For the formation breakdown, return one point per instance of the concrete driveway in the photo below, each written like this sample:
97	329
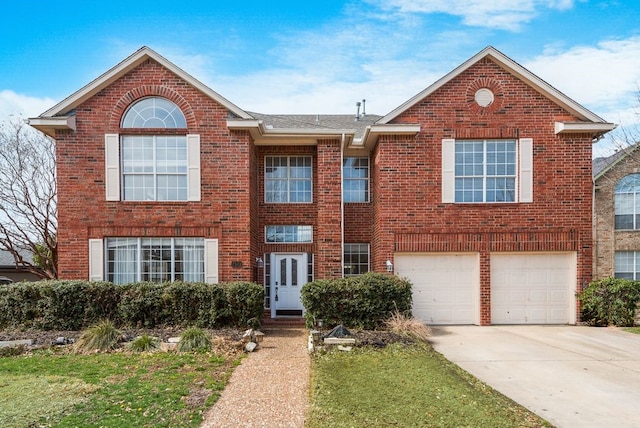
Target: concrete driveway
570	376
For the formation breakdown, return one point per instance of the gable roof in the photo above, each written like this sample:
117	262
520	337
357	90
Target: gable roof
591	121
602	165
61	115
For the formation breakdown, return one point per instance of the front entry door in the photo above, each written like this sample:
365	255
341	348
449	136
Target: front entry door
289	275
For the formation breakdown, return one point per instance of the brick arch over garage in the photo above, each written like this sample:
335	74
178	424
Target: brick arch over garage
140	92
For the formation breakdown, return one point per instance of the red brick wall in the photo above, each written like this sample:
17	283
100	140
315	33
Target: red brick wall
408	180
223	213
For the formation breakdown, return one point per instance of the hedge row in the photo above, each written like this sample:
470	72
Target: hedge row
364	301
74	305
610	301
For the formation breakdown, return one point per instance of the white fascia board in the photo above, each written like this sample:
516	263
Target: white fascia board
371	133
581	127
137	58
48	125
262	134
515	69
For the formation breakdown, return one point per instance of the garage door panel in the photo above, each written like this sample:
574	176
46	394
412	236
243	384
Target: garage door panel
445	287
532	288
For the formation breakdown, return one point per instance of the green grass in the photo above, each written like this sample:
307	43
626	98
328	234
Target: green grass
405	387
111	390
634	330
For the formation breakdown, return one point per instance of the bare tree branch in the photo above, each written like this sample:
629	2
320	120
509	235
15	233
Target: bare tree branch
28	198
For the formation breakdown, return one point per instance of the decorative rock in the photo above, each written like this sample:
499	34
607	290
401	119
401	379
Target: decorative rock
10	343
250	347
344	348
339	341
173	340
168	346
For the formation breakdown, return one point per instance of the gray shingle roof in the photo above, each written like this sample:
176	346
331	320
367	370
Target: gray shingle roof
7	261
601	164
319	121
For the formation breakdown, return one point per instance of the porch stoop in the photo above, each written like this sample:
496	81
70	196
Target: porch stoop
268	322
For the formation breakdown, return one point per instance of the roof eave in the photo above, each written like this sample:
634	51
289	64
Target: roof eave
264	135
373	132
599	128
49	125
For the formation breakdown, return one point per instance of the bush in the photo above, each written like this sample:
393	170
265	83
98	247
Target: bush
408	326
364	301
101	337
611	301
144	343
73	305
194	339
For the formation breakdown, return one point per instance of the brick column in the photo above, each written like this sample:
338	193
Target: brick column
328	260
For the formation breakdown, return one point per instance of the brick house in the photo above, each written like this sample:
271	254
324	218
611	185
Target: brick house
616	226
478	189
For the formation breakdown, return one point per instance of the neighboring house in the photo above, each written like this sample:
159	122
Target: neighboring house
617	214
478	189
8	269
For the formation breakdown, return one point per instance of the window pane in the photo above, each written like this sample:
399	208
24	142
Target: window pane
288	233
355	185
288	179
356	259
147	162
154	112
122	264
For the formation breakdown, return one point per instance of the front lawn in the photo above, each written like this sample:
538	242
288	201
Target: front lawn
123	389
405	386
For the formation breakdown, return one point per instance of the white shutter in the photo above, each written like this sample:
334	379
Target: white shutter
112	164
448	170
96	260
193	167
211	261
525	175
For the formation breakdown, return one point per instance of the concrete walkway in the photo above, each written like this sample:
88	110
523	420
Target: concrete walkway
571	376
270	388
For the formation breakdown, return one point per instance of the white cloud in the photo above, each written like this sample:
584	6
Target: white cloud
499	14
603	77
13	104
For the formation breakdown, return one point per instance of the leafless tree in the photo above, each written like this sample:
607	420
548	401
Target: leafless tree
28	204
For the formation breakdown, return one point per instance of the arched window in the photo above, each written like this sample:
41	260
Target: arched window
627	202
154	112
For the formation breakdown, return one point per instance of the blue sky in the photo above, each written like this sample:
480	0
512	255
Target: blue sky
324	56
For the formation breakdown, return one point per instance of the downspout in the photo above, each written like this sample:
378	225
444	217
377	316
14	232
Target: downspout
342	142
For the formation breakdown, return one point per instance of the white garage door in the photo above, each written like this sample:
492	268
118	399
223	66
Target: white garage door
445	286
533	288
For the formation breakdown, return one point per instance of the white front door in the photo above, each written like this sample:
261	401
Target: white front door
288	276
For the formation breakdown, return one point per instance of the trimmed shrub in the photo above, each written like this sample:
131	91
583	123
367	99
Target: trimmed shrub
610	301
364	301
244	301
19	304
73	305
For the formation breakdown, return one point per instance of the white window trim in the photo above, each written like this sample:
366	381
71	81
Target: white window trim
113	175
524	178
368	180
289	179
97	260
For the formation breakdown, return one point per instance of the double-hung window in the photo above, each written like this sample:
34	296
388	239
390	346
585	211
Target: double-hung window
356	259
627	265
154	168
487	171
355	179
627	202
147	163
287	179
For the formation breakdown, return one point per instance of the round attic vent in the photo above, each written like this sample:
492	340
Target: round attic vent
484	97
